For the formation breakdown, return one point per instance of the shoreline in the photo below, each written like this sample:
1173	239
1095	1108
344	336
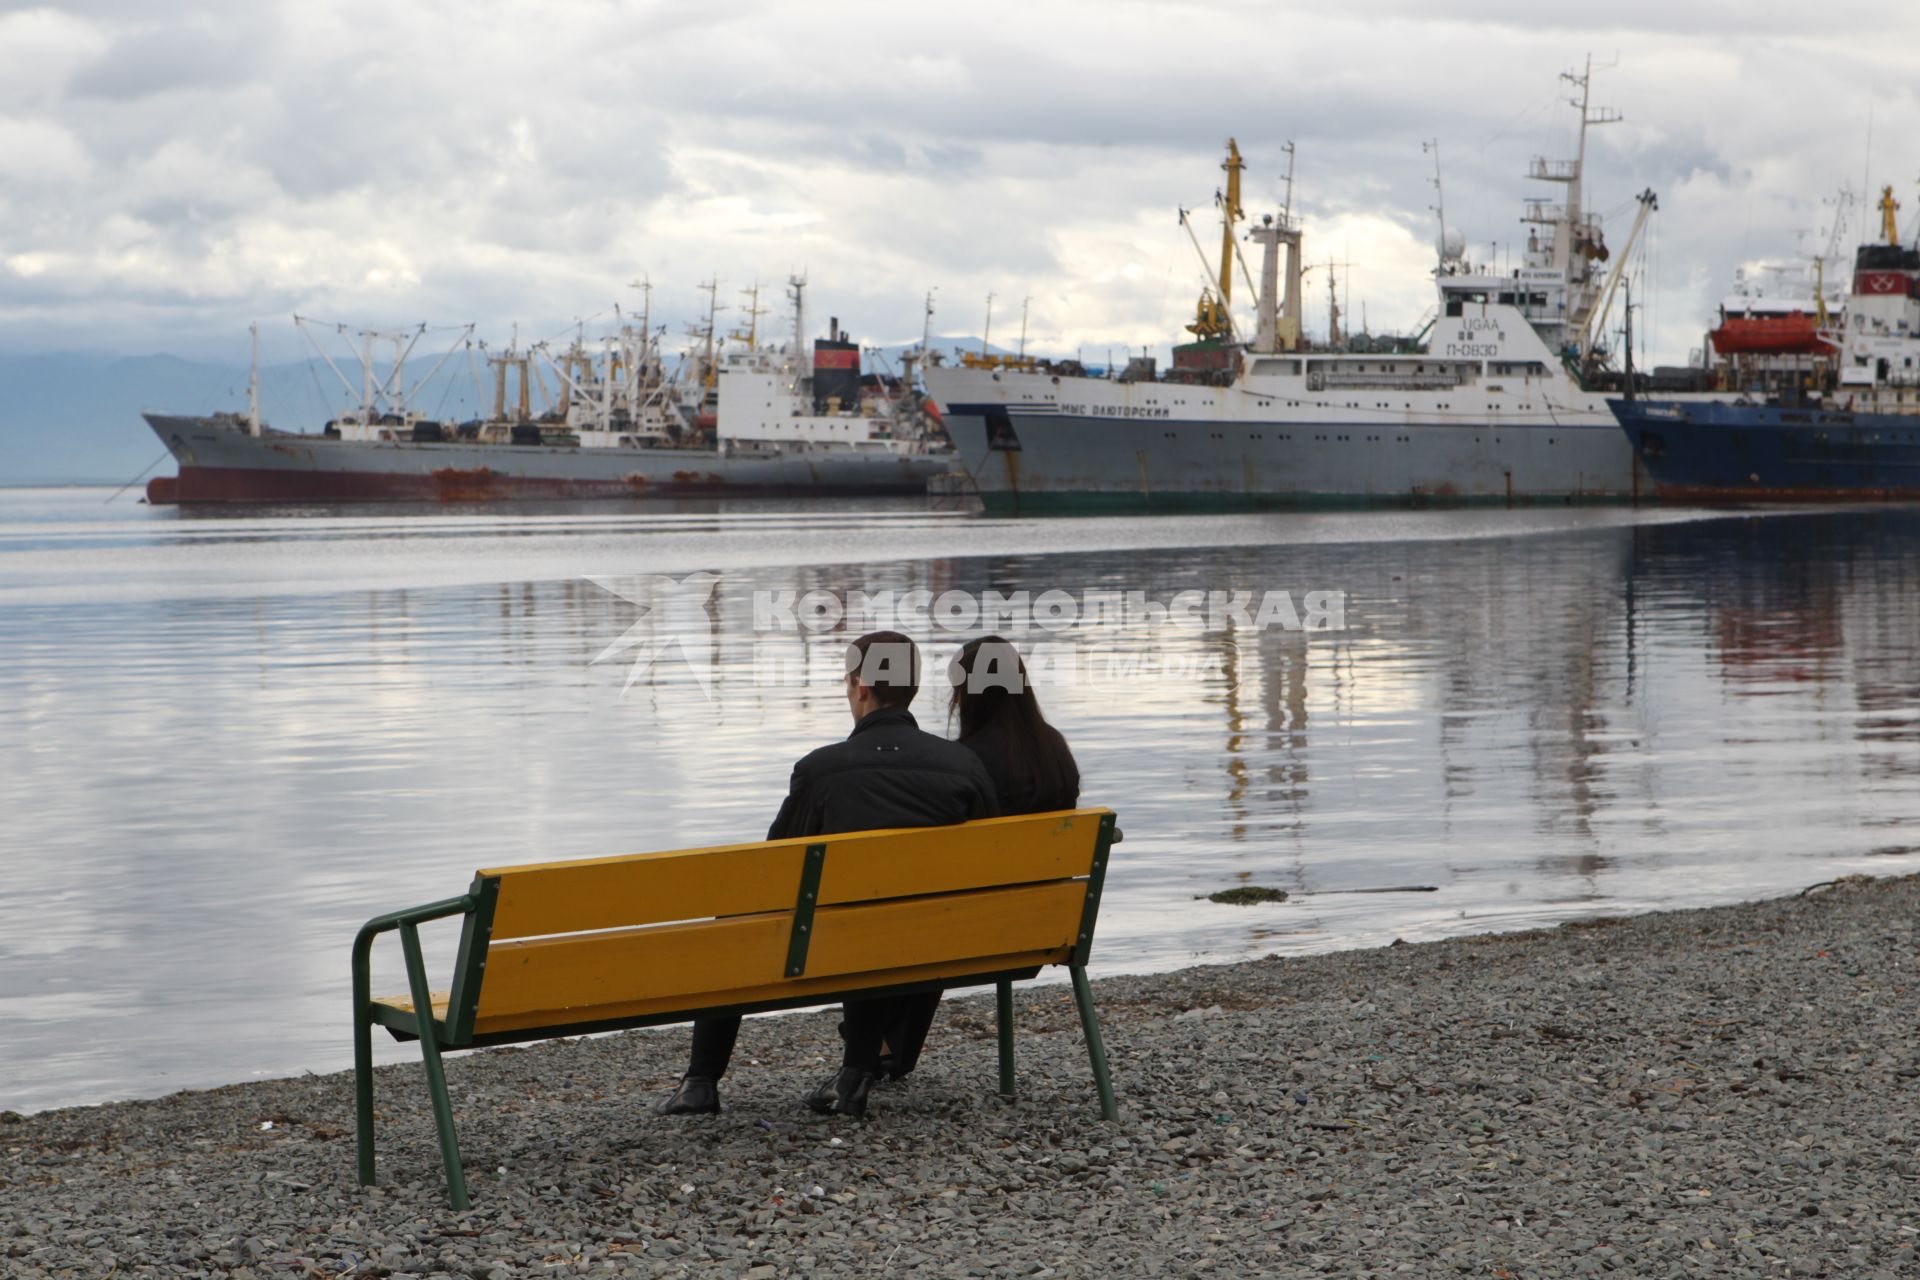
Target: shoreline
1721	1090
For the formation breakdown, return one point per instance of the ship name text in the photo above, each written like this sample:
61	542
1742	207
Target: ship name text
1115	411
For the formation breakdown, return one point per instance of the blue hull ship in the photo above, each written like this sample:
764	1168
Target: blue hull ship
1843	423
1717	452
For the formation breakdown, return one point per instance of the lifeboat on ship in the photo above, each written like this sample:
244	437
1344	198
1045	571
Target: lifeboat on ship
1767	331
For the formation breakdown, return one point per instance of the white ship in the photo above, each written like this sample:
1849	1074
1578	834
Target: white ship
774	398
1499	399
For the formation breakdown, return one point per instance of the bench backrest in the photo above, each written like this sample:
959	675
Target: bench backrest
602	940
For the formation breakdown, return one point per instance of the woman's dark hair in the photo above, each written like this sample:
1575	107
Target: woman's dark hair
990	687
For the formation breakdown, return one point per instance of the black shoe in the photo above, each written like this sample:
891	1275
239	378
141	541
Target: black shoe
844	1093
696	1096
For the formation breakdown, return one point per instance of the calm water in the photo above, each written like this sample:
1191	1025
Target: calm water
226	742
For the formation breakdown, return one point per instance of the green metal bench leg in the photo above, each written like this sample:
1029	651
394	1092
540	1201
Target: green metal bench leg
1003	992
363	1088
436	1074
1090	1023
363	1054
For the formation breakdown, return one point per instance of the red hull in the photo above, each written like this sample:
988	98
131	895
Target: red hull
1717	496
263	485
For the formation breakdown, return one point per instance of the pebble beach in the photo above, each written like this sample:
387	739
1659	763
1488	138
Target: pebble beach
1724	1092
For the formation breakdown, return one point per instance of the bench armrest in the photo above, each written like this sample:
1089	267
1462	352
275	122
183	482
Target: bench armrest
363	942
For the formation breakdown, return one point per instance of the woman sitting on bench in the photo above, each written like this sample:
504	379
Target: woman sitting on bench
1032	770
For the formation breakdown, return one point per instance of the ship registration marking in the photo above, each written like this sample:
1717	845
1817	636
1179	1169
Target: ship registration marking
1464	344
1115	411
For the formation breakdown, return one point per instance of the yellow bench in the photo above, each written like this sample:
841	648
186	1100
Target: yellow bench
565	948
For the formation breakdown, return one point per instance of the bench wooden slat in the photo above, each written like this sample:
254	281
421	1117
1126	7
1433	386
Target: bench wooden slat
914	931
578	974
783	993
649	888
998	851
646	888
579	971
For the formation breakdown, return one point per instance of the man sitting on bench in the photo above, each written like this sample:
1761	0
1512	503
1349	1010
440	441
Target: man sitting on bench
887	773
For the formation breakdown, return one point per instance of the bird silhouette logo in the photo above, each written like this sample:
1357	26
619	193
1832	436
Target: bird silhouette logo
674	618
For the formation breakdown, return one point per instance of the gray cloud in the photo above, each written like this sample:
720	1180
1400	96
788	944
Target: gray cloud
164	180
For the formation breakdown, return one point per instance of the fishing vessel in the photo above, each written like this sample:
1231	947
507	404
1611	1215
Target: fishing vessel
1498	398
754	422
1841	423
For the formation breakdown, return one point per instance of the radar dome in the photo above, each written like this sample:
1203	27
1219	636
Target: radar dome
1453	245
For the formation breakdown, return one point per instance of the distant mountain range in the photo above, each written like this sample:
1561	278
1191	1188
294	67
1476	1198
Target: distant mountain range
75	418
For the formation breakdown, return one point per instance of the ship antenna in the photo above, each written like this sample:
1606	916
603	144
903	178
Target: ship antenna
987	333
1024	304
1866	160
1286	205
1439	206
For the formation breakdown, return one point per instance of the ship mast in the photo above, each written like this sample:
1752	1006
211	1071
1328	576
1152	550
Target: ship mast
253	383
797	292
1333	306
645	285
708	372
1276	330
1575	242
754	311
1589	115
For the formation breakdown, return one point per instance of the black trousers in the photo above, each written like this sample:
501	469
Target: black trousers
898	1022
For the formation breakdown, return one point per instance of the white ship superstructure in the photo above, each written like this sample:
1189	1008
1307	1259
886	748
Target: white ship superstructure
810	397
1490	402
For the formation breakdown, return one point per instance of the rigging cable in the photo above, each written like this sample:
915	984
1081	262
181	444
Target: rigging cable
164	455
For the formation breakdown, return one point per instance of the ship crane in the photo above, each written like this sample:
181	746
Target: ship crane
1212	319
1597	318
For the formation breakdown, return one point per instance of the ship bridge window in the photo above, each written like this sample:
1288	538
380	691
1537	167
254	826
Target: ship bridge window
1508	299
1276	368
1458	298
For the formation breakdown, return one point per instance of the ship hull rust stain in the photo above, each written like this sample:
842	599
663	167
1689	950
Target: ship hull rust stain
272	486
452	484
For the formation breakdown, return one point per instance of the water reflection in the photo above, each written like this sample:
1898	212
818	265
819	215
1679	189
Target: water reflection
209	785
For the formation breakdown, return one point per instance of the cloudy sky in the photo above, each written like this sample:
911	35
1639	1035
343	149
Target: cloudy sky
171	171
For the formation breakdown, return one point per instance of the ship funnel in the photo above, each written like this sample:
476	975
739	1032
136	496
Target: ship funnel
836	370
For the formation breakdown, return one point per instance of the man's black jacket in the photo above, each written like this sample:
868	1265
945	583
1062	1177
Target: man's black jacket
888	773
